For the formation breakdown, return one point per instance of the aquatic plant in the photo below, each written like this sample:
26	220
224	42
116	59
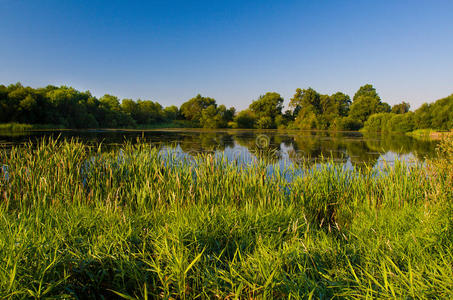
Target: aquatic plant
136	222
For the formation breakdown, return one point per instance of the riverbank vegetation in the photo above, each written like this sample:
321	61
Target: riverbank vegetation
65	107
437	116
133	222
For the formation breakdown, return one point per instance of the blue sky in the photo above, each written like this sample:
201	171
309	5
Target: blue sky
233	51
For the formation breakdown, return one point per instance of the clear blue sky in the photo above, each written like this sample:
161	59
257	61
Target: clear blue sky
168	51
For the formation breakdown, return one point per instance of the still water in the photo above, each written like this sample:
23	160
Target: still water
282	147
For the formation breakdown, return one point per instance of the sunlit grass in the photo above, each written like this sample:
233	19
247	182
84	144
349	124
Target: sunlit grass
78	222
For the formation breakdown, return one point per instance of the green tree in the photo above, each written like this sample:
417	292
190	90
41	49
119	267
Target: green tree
315	111
130	107
366	102
442	113
216	117
191	109
265	123
171	112
400	122
267	107
110	102
423	117
343	103
245	119
377	122
401	108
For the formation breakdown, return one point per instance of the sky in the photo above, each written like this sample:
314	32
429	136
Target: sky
234	51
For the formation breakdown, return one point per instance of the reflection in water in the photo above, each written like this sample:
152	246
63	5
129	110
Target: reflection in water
283	147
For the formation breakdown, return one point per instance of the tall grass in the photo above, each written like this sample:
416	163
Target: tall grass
77	222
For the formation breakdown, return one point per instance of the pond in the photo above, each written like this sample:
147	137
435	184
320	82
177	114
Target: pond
282	147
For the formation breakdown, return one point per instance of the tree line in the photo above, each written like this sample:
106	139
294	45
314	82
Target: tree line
67	107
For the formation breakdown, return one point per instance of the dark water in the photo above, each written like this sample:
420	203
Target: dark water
284	147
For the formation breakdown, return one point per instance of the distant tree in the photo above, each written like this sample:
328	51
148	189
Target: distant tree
266	108
365	103
400	123
245	119
401	108
265	123
149	112
229	114
315	111
343	103
66	106
171	112
442	113
377	122
346	124
423	117
130	107
191	110
216	117
110	102
305	99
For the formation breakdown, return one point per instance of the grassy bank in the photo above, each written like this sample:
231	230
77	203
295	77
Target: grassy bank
18	127
15	127
430	134
131	223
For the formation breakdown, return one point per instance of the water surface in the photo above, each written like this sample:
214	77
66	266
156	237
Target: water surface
282	147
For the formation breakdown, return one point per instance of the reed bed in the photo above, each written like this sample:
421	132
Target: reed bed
135	223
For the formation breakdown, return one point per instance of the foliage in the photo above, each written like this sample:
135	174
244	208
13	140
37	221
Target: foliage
216	117
266	109
401	108
435	116
65	107
78	223
245	119
192	109
315	111
366	102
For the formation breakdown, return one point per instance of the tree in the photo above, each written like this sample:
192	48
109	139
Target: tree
343	103
129	106
422	117
265	123
216	117
267	107
110	102
315	111
191	109
305	99
401	108
171	112
400	123
377	122
442	113
245	119
148	112
366	102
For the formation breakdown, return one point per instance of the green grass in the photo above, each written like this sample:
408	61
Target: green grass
19	127
79	223
430	133
15	127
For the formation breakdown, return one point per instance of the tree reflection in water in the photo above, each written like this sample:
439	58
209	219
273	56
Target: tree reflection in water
283	147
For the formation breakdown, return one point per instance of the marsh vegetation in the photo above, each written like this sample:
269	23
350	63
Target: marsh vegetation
82	222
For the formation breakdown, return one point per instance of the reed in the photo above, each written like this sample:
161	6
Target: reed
135	222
